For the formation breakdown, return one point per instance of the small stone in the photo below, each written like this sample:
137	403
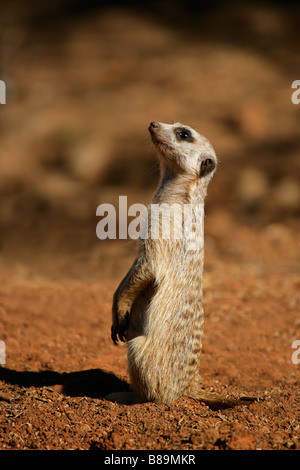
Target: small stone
84	428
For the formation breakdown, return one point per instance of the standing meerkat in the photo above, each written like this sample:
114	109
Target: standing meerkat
157	308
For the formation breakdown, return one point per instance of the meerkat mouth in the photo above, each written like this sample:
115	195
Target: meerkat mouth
162	145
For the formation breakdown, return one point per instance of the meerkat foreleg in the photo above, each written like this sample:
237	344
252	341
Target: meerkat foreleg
138	278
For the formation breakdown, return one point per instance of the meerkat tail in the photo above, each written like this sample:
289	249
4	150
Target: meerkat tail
216	401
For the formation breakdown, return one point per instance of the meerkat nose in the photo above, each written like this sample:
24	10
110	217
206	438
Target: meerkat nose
154	125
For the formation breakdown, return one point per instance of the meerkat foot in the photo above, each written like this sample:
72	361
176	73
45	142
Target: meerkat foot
216	401
124	398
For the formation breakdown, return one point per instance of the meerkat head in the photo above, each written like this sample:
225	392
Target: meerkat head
183	150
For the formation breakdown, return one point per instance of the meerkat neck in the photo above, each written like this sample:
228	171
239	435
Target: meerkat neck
179	188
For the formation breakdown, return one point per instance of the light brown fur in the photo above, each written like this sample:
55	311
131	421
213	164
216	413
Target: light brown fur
157	308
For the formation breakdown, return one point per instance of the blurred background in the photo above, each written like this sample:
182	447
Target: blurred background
83	81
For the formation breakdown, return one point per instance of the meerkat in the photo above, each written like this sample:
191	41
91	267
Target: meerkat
157	308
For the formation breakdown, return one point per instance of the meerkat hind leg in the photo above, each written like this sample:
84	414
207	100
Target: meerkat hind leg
124	398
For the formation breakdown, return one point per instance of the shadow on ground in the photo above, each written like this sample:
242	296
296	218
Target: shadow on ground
93	383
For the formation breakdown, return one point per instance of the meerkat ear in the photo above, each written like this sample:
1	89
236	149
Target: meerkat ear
206	167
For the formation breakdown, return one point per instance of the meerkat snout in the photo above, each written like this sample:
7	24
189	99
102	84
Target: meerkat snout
153	125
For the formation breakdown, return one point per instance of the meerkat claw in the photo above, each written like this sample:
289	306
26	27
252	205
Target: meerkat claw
114	335
123	327
119	332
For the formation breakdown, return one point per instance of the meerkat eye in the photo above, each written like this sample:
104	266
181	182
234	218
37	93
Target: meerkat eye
183	134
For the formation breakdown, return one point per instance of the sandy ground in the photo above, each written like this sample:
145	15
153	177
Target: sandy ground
61	361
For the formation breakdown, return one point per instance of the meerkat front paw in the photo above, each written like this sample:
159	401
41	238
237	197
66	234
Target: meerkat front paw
119	328
120	321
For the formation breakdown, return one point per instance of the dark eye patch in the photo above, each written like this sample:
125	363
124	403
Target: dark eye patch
183	134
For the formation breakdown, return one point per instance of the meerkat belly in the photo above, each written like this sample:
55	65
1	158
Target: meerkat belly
165	355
